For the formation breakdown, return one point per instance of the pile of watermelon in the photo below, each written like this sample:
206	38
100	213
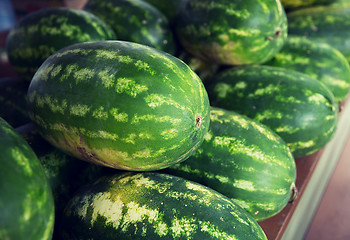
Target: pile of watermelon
149	119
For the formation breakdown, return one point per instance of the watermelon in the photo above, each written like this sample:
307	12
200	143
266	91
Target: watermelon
119	104
231	32
13	104
291	5
26	202
151	205
318	60
135	21
324	24
299	108
41	33
245	161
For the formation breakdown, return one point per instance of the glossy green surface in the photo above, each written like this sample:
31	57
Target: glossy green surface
245	161
41	33
297	107
232	32
135	21
318	60
154	206
325	24
26	202
120	104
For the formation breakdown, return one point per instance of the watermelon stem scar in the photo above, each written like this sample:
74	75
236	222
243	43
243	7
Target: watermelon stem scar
277	34
340	106
199	120
294	193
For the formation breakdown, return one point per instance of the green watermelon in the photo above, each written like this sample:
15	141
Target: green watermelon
299	108
245	161
324	24
26	202
13	104
119	104
232	32
135	21
41	33
318	60
291	5
154	206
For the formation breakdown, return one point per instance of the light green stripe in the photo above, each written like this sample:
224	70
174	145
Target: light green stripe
269	114
129	87
79	109
235	146
155	118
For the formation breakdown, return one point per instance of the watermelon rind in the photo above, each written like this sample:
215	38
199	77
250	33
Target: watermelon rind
231	32
119	104
299	108
328	24
245	161
318	60
135	21
154	206
26	201
41	33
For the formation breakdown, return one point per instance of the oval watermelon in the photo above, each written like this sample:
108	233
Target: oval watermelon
26	202
41	33
154	206
296	106
318	60
120	104
245	161
232	32
135	21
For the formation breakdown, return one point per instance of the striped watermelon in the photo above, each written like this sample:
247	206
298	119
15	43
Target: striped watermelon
154	206
135	21
26	202
232	32
299	108
245	161
39	34
323	23
318	60
119	104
